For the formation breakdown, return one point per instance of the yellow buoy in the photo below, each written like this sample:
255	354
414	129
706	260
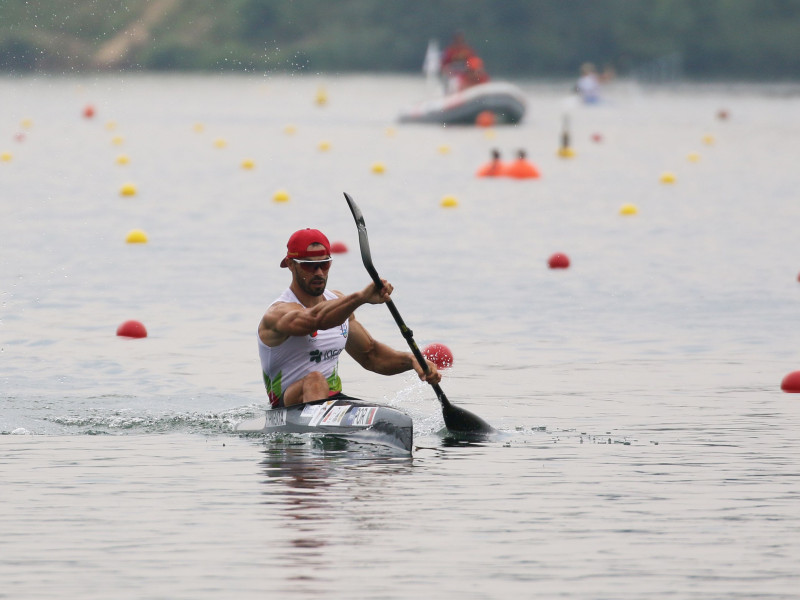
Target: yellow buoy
667	177
220	143
122	159
449	202
199	128
6	156
708	140
378	168
248	163
111	125
391	132
566	152
128	189
324	146
693	157
490	134
26	123
136	236
281	196
117	140
290	129
628	209
322	97
444	149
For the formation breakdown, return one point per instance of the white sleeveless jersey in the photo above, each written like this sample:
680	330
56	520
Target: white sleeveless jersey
298	356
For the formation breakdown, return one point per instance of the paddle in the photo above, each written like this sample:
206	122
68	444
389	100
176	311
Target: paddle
456	419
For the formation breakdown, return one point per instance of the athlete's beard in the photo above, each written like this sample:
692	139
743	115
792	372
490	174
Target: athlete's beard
306	285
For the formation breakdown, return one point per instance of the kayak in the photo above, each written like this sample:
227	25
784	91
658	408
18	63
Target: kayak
341	417
504	100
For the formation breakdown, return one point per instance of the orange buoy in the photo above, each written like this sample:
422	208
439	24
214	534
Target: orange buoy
494	168
791	383
132	329
438	354
485	118
338	248
88	111
521	168
558	261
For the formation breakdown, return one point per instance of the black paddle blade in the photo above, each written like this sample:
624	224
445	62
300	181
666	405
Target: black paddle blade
359	218
363	240
462	421
459	420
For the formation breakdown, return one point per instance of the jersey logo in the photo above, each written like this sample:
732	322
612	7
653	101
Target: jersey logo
313	334
316	356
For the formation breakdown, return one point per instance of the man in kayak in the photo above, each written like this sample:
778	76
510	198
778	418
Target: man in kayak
304	331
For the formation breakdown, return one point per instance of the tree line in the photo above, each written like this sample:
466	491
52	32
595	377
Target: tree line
697	39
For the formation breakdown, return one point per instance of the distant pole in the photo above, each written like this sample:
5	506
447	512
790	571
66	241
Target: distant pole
565	151
565	132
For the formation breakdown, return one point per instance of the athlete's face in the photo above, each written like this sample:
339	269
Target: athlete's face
310	277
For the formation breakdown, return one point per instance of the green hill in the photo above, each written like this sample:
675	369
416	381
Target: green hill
740	39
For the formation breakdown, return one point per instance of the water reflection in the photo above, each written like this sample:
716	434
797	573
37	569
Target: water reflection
302	478
321	486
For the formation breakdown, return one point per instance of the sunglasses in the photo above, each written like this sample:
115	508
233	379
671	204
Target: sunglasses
310	266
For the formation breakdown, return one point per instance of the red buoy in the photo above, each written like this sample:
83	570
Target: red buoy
338	248
791	383
485	118
88	111
558	261
597	138
132	329
438	354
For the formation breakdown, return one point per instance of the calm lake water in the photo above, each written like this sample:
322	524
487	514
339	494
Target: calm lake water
645	449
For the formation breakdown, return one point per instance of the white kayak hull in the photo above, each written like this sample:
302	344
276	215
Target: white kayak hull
504	100
342	417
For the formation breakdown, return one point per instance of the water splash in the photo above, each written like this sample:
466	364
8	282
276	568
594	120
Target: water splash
123	421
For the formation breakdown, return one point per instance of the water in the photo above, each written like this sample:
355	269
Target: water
646	449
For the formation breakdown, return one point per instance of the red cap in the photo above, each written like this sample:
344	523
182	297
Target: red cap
298	244
474	62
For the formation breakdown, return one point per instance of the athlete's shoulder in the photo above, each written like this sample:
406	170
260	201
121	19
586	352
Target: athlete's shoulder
283	306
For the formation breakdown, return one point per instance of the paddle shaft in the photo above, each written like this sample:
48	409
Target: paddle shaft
408	335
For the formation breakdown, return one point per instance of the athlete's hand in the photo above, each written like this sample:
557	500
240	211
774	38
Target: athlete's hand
433	376
378	296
